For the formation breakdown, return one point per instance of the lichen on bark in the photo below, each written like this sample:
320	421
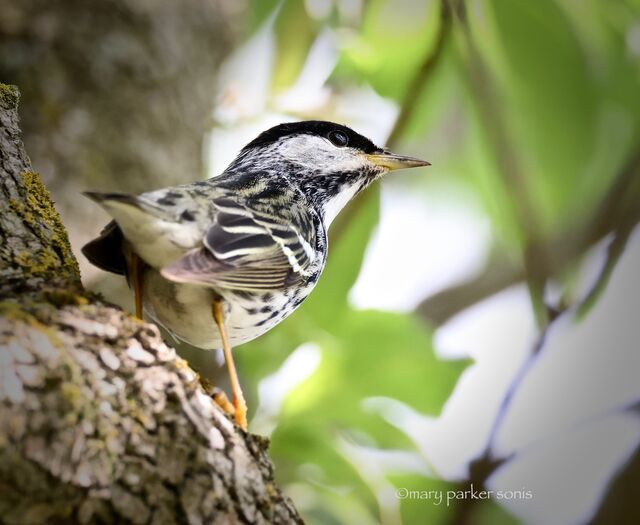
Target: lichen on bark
54	254
9	95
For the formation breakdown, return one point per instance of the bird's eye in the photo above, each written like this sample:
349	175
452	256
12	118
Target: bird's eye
338	138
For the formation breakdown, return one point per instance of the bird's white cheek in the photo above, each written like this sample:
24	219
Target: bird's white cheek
317	154
334	160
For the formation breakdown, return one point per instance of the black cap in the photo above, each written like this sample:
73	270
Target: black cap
319	128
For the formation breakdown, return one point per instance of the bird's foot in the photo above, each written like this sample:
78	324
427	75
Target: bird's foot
220	398
237	409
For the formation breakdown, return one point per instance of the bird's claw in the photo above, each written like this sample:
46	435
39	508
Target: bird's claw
220	398
237	409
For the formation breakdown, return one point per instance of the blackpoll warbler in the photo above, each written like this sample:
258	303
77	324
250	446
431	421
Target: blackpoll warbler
221	261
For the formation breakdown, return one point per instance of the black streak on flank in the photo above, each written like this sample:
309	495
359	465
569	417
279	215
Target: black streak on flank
244	295
166	201
271	317
186	215
169	198
298	301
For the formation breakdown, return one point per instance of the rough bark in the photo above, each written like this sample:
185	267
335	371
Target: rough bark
100	421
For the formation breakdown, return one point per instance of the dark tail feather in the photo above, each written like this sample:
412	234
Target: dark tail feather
105	251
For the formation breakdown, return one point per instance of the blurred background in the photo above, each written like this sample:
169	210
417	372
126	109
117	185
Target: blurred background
478	323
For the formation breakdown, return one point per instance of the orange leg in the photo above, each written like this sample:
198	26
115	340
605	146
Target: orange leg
137	276
239	403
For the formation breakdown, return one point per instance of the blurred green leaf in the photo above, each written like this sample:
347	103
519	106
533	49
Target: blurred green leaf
555	98
437	104
393	41
568	114
295	32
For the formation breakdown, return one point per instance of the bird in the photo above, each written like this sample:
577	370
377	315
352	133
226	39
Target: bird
219	262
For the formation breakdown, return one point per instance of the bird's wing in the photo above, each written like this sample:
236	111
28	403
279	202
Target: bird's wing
250	250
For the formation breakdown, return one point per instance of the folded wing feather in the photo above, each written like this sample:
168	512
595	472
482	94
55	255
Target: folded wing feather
246	250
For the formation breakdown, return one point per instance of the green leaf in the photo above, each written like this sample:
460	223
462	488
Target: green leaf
367	354
295	32
567	110
393	41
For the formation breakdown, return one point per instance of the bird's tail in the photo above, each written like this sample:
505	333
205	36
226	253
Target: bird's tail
153	231
106	250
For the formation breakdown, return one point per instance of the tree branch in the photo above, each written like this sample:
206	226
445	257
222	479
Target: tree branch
100	421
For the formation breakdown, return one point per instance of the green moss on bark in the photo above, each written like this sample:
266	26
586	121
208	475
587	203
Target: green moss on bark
9	96
56	257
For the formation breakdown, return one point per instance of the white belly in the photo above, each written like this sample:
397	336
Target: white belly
185	310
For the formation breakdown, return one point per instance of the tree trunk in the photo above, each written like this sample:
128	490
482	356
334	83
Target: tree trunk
100	421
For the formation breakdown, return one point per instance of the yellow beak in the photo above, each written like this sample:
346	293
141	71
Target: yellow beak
391	161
